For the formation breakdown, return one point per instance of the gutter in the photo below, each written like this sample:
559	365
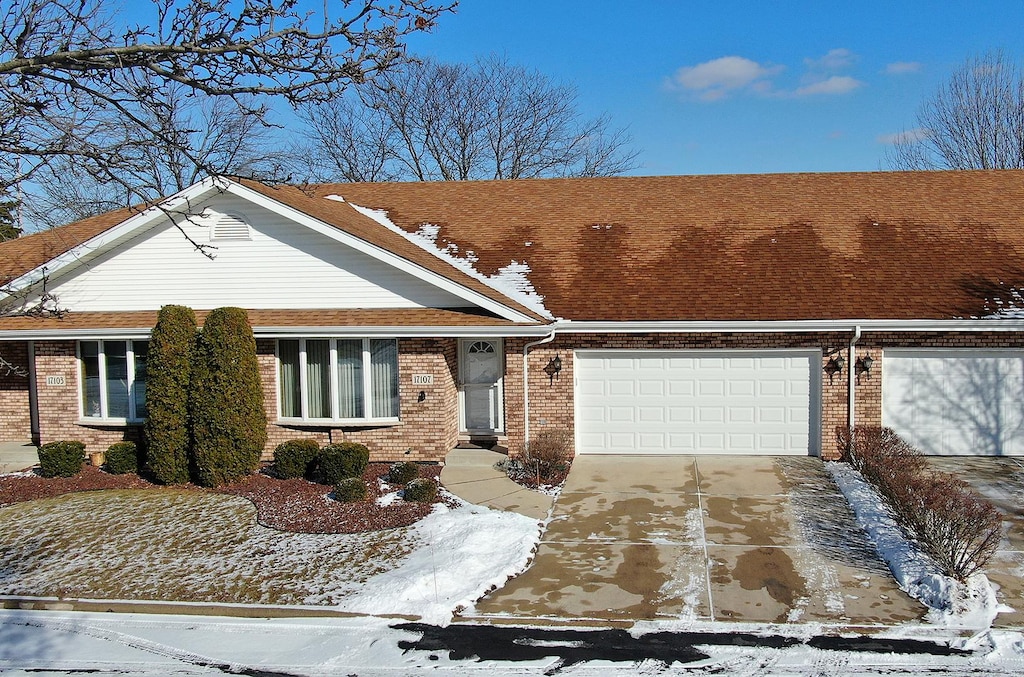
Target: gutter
526	383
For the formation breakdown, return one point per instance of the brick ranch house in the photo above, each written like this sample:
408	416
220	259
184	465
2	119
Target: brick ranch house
666	315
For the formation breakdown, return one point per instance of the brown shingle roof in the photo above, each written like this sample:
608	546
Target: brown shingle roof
928	245
383	317
887	245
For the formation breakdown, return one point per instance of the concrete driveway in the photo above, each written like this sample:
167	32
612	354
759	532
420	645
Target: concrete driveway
747	539
1000	480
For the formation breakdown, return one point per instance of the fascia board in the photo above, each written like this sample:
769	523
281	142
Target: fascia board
379	253
80	252
786	326
288	332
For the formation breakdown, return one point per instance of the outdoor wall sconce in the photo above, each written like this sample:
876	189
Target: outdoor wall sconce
553	368
863	366
834	366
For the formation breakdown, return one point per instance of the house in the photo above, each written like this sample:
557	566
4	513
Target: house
662	315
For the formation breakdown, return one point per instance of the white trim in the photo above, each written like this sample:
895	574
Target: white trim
562	327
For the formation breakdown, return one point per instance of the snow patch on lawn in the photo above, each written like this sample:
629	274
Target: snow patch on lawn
511	280
951	603
460	553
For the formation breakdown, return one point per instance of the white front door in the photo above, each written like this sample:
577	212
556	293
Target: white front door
480	366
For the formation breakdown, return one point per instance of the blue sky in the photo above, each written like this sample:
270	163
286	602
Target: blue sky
740	87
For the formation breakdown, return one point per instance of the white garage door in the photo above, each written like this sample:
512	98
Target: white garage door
956	402
690	402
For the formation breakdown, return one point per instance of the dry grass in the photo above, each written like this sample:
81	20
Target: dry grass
180	545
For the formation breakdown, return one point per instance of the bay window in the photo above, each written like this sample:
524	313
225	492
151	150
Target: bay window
113	379
338	379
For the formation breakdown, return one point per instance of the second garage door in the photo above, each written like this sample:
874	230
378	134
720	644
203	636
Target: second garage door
697	402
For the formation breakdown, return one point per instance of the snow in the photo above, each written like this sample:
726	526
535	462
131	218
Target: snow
511	280
462	553
953	604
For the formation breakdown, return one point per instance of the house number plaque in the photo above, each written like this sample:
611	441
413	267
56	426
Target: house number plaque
56	380
423	379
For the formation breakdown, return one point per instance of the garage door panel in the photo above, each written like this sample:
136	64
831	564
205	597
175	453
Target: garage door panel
700	402
956	402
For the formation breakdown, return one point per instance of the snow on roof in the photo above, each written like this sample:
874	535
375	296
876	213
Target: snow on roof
511	280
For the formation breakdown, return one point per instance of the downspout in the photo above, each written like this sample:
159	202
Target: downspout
851	370
526	383
33	395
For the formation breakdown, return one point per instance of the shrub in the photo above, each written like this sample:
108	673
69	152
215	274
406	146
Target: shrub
295	458
422	490
168	374
122	458
61	459
547	453
403	472
958	529
339	461
350	490
229	424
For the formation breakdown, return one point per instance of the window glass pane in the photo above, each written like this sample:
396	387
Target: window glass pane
141	349
318	378
350	379
288	379
116	355
90	352
384	377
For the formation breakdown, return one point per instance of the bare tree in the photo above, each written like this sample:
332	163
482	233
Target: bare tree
228	141
74	75
435	121
974	121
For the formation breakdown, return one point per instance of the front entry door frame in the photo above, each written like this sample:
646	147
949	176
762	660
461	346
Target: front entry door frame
481	383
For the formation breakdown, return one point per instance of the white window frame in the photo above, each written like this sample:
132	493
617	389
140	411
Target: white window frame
103	418
335	419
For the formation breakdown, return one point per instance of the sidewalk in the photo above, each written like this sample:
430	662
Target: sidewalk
470	475
17	456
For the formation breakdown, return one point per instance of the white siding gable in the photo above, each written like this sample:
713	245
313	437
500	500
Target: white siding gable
279	264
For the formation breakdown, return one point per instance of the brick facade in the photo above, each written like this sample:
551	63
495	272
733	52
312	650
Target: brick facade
551	398
429	425
15	420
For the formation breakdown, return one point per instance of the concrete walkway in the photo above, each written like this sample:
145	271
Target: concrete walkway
17	456
743	539
470	475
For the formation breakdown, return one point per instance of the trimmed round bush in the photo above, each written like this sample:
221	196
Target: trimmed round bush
350	490
229	425
422	490
295	458
340	461
61	459
403	472
122	458
172	346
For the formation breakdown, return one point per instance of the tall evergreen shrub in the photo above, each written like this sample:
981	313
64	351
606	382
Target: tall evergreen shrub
229	424
169	370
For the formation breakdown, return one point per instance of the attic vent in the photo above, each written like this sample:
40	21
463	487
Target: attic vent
230	227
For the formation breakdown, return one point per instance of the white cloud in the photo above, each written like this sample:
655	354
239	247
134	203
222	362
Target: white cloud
906	136
902	67
836	84
713	80
834	60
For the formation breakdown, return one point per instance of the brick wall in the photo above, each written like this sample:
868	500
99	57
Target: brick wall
58	405
429	427
15	420
551	398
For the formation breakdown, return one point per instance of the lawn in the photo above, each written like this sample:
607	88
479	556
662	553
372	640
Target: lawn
161	544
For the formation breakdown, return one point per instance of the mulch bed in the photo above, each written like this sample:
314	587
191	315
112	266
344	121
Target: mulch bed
296	505
528	479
